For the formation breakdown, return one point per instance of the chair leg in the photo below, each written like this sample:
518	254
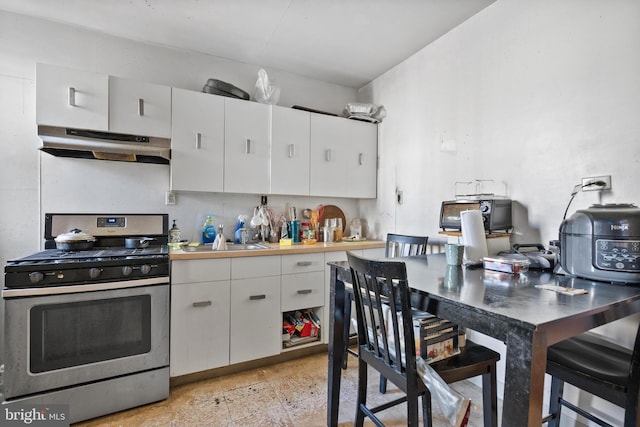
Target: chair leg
383	384
490	398
362	393
555	407
347	328
427	420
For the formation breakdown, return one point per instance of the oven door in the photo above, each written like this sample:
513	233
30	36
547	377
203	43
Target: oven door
84	333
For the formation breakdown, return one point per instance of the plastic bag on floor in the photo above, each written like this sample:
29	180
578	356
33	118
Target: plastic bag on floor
455	407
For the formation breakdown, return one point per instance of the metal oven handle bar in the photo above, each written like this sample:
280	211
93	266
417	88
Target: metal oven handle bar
72	289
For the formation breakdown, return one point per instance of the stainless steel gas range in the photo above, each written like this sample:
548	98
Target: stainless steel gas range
90	328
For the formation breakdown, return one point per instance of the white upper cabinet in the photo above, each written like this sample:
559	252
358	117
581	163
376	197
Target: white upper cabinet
362	160
197	141
71	98
290	136
139	108
246	147
343	157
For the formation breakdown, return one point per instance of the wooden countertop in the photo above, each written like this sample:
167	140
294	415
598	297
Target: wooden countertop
276	249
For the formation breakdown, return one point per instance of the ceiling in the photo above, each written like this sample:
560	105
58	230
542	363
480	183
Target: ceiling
347	42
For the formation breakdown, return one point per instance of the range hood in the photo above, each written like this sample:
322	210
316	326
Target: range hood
88	144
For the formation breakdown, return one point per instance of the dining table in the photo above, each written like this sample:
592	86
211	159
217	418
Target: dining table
528	312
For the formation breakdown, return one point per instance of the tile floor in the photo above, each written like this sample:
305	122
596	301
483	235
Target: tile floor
286	394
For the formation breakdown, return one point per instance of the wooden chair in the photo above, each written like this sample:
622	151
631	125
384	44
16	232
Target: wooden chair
376	283
599	367
397	245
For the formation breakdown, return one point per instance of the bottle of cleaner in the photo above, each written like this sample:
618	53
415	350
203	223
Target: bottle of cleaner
208	230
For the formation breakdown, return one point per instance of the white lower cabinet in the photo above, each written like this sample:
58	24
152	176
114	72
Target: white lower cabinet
303	294
200	294
231	310
376	253
255	308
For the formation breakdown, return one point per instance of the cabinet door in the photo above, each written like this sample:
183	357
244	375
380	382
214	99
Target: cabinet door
71	98
197	141
199	326
328	163
362	160
290	133
343	157
139	108
256	319
246	147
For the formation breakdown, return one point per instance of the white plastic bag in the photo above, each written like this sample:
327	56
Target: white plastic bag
266	92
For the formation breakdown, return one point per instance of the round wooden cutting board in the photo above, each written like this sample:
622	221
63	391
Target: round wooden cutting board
331	211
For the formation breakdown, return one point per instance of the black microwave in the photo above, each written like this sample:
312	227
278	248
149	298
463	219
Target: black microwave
496	213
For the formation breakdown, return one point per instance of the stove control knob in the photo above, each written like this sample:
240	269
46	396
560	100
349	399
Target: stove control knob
127	270
36	277
94	273
145	269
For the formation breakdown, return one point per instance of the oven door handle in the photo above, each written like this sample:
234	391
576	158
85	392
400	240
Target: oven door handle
89	287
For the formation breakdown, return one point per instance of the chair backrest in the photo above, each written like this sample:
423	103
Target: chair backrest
400	245
385	341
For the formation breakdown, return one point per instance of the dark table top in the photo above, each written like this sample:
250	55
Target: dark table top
509	298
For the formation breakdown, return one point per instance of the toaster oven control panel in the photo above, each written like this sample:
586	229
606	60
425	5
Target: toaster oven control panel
618	255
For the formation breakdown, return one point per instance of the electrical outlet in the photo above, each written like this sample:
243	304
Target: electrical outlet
399	197
588	183
169	198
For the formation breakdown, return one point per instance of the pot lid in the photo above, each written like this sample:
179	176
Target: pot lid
74	235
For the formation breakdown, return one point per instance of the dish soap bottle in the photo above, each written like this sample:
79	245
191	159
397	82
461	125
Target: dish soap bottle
208	230
174	233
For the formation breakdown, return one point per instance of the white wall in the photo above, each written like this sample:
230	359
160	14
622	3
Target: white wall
536	95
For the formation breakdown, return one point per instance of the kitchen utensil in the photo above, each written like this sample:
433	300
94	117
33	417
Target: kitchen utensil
74	240
219	87
256	220
137	242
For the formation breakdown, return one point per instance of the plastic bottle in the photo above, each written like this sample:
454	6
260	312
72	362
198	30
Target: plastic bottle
208	230
174	233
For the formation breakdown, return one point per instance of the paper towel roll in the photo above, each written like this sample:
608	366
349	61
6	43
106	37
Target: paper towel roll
475	242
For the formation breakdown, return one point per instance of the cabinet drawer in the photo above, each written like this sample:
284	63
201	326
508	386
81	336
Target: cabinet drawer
303	290
200	270
259	266
302	263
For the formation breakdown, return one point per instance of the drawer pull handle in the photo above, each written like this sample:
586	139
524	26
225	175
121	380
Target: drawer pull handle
291	151
361	159
304	291
201	303
198	140
328	155
140	107
304	263
248	146
72	96
257	297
